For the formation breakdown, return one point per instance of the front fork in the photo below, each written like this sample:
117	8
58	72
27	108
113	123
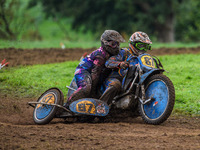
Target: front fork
141	97
139	89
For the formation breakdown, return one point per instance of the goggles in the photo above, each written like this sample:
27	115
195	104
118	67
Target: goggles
142	46
112	44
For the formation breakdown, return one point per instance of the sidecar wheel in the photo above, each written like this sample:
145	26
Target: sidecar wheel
159	109
43	114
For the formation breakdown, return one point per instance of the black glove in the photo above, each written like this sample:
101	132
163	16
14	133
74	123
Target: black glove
124	65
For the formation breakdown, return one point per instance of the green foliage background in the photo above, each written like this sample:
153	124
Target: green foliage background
75	20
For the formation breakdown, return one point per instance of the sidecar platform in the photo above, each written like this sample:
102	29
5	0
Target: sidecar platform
85	106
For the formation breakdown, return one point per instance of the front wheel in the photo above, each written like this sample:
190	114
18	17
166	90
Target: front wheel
160	88
43	114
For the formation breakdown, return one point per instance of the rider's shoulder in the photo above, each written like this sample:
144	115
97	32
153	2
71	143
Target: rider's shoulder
125	50
98	51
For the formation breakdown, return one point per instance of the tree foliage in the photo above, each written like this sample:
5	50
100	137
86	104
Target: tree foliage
188	21
126	16
15	18
163	20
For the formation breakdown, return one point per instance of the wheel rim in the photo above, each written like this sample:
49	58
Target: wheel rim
42	111
159	91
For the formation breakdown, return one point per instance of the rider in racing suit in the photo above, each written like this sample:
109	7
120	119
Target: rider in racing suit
88	71
139	44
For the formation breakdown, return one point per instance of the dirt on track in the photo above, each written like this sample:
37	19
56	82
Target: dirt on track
18	131
18	57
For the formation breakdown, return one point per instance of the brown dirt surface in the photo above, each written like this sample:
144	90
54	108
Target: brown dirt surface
52	55
18	131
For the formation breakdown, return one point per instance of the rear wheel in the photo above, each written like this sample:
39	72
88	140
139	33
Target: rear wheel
43	114
161	89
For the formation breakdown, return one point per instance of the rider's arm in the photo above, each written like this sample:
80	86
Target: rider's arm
114	61
98	64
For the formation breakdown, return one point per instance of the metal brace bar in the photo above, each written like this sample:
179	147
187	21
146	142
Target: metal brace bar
30	103
71	88
146	101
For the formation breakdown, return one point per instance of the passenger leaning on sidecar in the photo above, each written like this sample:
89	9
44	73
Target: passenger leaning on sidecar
88	71
139	44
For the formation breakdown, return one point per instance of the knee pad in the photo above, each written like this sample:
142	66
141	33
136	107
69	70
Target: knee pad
87	89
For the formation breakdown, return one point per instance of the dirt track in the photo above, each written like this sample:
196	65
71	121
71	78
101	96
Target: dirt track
44	56
18	131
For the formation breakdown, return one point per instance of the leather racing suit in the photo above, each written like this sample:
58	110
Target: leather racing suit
87	74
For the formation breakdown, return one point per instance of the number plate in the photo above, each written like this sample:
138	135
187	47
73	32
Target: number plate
90	106
148	61
85	107
49	98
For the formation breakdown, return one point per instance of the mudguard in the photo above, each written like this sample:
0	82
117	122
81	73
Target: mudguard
89	106
147	74
61	94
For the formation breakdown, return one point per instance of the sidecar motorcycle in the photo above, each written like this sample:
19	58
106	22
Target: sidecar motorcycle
145	91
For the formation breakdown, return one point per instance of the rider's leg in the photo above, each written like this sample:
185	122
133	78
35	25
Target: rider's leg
84	88
113	87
